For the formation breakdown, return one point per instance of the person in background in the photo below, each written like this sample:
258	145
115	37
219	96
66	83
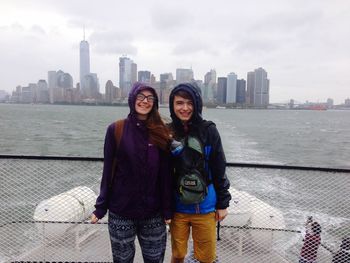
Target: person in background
343	255
139	198
312	241
185	104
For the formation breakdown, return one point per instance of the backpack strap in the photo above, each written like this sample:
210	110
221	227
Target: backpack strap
118	133
205	152
203	134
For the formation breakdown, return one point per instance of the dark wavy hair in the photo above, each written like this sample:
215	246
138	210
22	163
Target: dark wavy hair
159	133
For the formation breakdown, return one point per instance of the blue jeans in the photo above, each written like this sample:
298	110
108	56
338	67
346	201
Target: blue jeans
151	234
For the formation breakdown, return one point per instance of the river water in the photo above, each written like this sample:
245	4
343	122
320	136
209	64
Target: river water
310	138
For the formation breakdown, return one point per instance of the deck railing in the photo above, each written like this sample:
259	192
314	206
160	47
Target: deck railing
43	219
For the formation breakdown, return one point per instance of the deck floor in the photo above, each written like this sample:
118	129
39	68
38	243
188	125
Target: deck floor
95	247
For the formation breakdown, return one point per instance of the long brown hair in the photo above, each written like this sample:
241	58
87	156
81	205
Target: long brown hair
159	133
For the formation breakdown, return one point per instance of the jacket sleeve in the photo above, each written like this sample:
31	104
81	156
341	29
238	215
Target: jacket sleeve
217	166
166	185
109	152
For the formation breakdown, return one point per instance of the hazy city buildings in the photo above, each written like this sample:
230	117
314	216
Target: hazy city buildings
241	91
209	87
166	83
258	88
127	74
92	86
60	88
144	76
184	75
231	88
15	97
41	93
113	94
250	88
261	88
133	73
27	94
4	96
222	90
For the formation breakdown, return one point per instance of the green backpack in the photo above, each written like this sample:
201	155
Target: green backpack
192	178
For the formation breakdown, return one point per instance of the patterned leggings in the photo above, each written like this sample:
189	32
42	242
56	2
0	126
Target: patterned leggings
151	233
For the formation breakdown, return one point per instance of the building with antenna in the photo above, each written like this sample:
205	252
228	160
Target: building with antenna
89	83
84	61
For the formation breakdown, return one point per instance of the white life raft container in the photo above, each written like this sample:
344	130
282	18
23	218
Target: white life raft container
75	205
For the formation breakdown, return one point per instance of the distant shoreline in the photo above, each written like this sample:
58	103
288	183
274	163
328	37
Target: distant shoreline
208	106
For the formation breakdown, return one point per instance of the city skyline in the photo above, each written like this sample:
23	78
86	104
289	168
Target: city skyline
303	46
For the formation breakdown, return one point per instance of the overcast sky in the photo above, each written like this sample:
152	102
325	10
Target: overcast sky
304	45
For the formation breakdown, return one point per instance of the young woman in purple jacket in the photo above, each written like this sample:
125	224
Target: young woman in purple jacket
139	196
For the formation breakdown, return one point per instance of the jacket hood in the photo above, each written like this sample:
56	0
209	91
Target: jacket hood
136	88
195	93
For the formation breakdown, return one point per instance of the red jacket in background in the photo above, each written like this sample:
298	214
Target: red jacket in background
310	247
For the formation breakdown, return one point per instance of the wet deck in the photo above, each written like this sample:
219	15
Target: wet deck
94	246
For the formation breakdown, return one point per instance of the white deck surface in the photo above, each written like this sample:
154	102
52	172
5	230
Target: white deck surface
94	246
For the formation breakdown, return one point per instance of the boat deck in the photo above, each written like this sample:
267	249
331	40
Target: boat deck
93	246
271	203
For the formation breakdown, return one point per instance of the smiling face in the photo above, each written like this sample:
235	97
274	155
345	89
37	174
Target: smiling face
183	108
144	104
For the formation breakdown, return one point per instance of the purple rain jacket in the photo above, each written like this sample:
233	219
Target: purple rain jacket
142	186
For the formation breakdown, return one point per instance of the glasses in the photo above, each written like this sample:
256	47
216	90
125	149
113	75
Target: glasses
141	97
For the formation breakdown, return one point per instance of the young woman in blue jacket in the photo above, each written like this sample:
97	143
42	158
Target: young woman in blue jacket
139	196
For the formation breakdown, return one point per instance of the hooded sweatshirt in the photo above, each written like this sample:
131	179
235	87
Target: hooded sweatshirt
218	196
141	187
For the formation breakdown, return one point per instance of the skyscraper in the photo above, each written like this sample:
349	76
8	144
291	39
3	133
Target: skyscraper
84	62
41	92
184	75
59	85
258	88
92	86
112	92
127	74
231	88
241	92
52	84
144	76
261	88
250	88
209	87
222	88
166	82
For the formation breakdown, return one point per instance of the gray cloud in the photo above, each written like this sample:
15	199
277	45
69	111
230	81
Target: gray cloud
15	27
256	45
166	18
36	29
80	23
112	42
194	46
